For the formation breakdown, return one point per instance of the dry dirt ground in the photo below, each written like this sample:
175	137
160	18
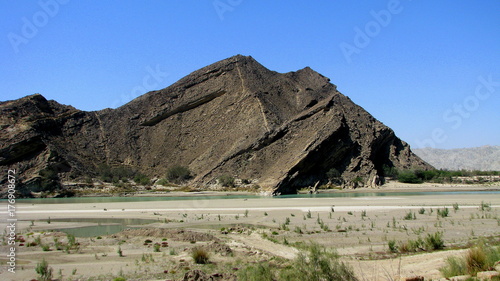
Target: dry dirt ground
239	232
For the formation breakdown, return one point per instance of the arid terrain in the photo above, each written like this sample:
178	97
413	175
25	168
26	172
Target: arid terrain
240	232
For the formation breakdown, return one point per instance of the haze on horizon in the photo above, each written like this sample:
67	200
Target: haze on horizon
428	70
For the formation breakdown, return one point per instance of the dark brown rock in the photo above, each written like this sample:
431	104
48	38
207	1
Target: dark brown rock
282	131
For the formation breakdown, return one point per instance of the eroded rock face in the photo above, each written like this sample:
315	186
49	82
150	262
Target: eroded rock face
234	117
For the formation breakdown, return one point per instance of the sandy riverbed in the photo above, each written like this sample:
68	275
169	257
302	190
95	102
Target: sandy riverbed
358	227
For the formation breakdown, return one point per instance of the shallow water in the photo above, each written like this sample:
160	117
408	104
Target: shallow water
108	226
105	226
74	200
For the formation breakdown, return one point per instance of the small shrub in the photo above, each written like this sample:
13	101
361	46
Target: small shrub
119	252
226	181
142	179
259	272
392	246
485	206
409	216
443	213
317	264
434	241
44	271
421	211
157	247
454	267
476	260
178	174
409	177
455	207
200	255
163	182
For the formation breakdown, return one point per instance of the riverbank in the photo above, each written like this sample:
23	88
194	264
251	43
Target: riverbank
392	186
257	229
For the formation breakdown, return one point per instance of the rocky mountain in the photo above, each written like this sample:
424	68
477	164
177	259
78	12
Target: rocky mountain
484	158
235	117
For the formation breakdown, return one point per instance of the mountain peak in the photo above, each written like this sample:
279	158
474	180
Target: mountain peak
280	131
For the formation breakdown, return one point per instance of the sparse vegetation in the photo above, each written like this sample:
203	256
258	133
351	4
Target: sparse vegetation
318	264
163	182
44	271
392	246
437	176
410	216
443	213
485	206
259	272
478	258
142	179
200	255
434	241
178	174
226	181
409	177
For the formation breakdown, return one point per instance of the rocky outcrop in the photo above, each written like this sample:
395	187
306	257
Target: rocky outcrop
281	131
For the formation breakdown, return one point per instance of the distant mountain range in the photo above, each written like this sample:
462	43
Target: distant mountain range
484	158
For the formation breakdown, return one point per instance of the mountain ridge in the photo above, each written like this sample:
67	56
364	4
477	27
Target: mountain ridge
282	131
483	158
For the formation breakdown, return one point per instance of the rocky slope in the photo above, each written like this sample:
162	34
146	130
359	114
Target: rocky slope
484	158
282	131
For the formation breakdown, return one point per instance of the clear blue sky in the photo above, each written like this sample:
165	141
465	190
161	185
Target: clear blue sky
417	66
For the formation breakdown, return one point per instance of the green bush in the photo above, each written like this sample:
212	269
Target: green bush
410	216
226	181
392	246
454	267
178	174
259	272
479	258
44	271
142	179
333	175
409	177
49	179
318	265
443	213
116	174
163	182
157	247
434	241
390	171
